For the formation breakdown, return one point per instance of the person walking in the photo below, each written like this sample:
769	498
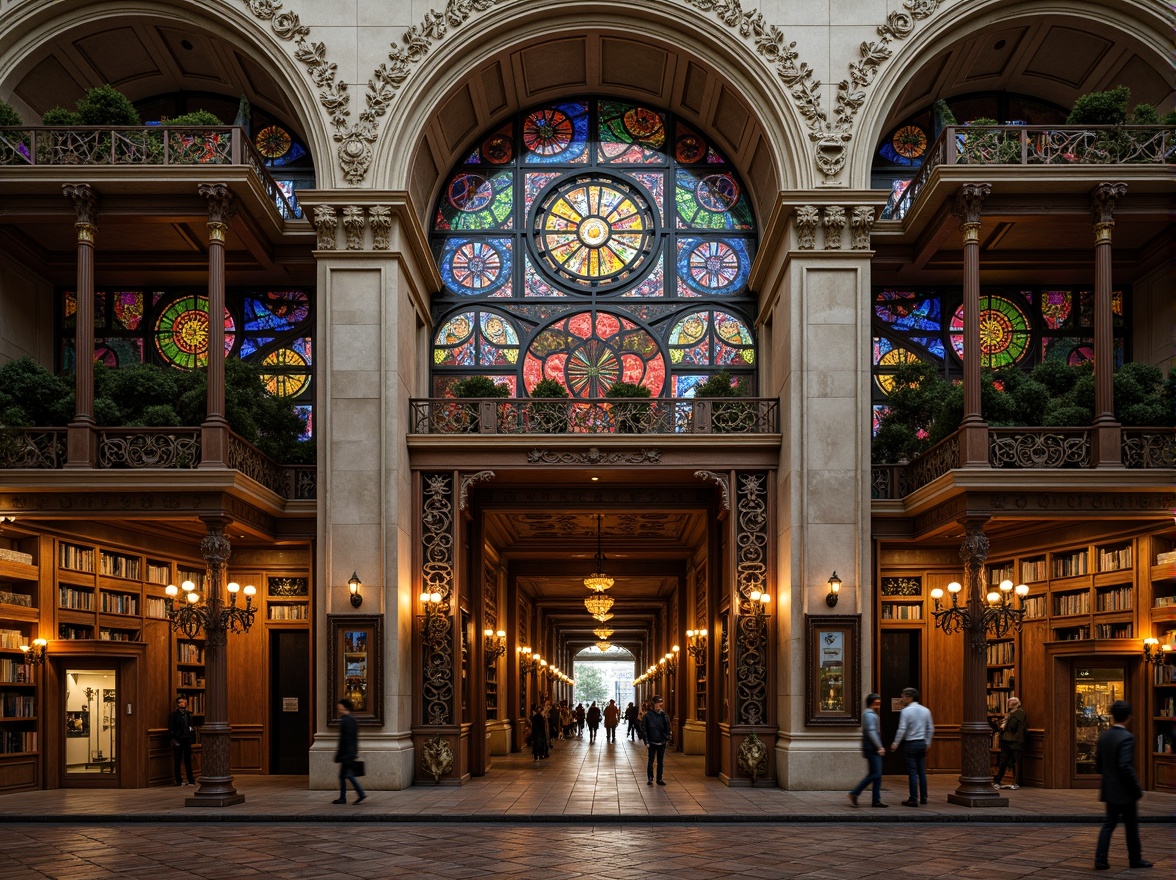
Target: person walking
538	733
347	752
581	716
1012	743
552	725
183	734
631	721
593	721
872	750
612	717
1119	789
657	733
915	731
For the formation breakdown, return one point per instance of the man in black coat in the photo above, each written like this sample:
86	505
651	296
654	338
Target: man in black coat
347	752
656	728
183	734
1120	788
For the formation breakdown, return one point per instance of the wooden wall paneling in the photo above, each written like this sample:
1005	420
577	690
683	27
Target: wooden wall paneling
247	750
1031	689
941	691
248	678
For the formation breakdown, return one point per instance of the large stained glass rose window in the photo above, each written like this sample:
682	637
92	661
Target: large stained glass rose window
594	230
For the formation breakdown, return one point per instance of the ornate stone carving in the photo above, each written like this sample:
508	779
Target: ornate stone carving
723	484
753	757
593	455
1102	208
807	219
222	204
969	203
1039	449
861	222
437	577
973	553
326	221
467	482
437	758
85	204
751	534
353	223
380	221
834	226
751	673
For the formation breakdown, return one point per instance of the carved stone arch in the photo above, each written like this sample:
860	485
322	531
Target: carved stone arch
28	29
480	83
1137	32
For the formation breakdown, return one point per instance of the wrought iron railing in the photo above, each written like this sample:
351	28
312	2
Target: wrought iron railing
142	145
656	415
157	448
1149	447
1039	145
1049	448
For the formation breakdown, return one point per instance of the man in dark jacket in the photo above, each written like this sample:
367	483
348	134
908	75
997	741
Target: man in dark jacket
1012	744
346	752
631	719
1120	788
656	728
183	734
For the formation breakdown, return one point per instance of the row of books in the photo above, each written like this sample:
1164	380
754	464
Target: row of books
1000	653
1001	678
1114	560
15	671
117	635
1116	599
79	600
299	612
15	741
77	558
12	638
1166	558
890	611
1114	631
118	566
189	652
1072	565
18	706
69	631
119	603
1033	570
1072	603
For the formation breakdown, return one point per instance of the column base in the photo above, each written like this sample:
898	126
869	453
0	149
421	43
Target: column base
977	800
214	800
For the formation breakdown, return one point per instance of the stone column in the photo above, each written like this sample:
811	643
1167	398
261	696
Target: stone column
1108	435
974	445
81	448
214	430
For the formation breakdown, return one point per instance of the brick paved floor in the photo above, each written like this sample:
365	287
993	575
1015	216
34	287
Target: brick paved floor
828	851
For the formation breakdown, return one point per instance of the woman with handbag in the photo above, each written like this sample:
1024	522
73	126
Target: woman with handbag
347	752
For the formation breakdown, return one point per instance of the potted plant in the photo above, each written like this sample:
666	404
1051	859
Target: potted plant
549	418
726	418
468	415
627	417
104	107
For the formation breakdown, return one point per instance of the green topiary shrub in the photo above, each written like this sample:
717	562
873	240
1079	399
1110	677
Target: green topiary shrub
1145	114
60	116
106	105
195	119
1101	108
479	386
719	385
628	418
1168	118
31	395
8	115
549	418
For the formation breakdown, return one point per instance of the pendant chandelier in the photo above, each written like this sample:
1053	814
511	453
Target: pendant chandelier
602	632
603	646
598	605
598	581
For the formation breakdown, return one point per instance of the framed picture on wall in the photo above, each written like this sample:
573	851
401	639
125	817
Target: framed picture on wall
833	670
355	666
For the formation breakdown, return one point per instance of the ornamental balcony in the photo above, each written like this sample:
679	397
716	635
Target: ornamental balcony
139	146
175	450
595	416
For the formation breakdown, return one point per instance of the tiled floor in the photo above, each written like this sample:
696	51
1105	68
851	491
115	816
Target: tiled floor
599	783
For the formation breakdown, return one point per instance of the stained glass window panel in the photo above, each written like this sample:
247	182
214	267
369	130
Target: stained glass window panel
477	266
128	309
630	134
711	201
181	332
556	135
475	201
1004	331
713	267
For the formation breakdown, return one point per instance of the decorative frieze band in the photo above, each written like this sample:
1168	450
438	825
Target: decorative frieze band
832	219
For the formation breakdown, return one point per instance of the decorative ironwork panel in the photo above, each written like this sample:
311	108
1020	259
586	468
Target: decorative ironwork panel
256	465
302	483
490	595
751	566
700	598
751	683
932	464
149	448
1035	448
39	449
1155	448
437	572
288	586
900	586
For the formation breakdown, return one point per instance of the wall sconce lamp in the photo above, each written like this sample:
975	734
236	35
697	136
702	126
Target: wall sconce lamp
35	654
1154	652
834	589
759	604
495	645
354	585
432	633
697	646
671	660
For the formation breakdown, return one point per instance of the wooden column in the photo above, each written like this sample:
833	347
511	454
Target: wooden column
215	428
974	440
1108	435
81	447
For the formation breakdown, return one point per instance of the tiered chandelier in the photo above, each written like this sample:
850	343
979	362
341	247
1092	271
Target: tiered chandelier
598	607
598	604
602	633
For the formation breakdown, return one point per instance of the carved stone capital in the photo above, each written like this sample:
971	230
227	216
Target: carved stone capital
222	204
974	548
721	481
969	203
326	221
215	547
1102	207
353	223
86	232
861	222
85	203
380	220
807	219
834	226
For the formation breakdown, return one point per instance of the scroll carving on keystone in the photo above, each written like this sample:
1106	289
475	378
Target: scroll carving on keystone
834	226
326	221
806	227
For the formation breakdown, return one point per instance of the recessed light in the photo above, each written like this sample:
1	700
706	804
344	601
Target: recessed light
186	44
1000	44
594	479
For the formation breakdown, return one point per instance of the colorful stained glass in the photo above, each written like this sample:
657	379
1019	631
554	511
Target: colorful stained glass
691	148
596	231
715	267
1056	308
906	310
879	412
181	332
285	372
710	201
128	309
630	134
275	310
69	306
556	134
711	339
589	352
499	341
906	146
453	345
535	286
273	142
306	413
1076	350
1004	331
498	148
476	266
252	344
891	359
477	201
652	286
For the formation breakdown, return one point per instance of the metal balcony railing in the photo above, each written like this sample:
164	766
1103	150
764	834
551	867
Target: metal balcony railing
1039	145
141	145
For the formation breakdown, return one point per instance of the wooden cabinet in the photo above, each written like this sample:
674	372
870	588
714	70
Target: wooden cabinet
20	697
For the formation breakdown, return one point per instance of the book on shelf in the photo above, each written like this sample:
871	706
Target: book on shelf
24	600
1000	678
189	652
68	631
119	603
15	671
1034	606
1072	603
1071	565
1164	601
7	555
1164	743
1001	653
117	635
1033	570
1114	560
77	558
1003	573
114	565
1116	599
158	573
1166	558
18	706
16	741
76	600
1166	707
896	611
12	638
288	612
156	607
1113	631
1073	634
1164	674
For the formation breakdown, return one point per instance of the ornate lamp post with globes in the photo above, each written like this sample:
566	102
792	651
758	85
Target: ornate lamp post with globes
217	618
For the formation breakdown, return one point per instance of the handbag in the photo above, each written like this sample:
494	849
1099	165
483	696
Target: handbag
357	768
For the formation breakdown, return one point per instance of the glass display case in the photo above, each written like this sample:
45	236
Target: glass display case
1095	689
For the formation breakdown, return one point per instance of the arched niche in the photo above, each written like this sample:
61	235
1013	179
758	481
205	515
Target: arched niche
704	75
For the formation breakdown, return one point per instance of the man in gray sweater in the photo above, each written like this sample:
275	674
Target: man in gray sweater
872	751
915	731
